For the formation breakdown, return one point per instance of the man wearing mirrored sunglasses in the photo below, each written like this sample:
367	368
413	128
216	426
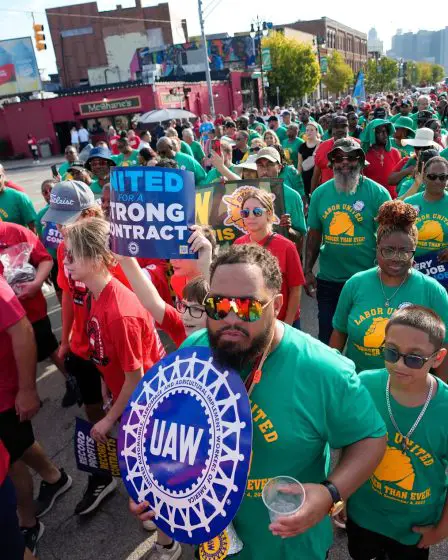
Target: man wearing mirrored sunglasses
296	385
341	220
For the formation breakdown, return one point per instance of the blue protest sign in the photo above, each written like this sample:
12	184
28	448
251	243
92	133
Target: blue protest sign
151	209
429	264
91	456
51	236
185	444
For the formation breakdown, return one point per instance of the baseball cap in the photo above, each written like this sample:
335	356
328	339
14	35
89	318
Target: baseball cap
271	154
76	165
347	145
68	199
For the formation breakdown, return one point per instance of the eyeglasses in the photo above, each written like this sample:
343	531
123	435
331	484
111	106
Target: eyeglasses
350	157
257	212
443	177
392	252
256	149
412	361
247	309
68	256
194	310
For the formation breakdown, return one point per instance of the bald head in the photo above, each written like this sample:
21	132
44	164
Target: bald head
165	147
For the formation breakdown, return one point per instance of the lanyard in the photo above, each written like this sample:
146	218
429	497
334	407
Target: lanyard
255	375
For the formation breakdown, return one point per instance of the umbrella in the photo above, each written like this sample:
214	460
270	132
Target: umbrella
161	115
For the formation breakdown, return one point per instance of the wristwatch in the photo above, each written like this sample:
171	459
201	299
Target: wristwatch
338	502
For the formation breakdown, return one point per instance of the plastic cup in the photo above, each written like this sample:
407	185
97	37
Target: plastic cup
283	496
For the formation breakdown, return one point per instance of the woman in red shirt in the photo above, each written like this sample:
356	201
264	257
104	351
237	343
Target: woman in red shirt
257	211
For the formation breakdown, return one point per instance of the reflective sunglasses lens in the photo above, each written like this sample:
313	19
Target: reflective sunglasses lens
244	213
257	212
413	362
391	355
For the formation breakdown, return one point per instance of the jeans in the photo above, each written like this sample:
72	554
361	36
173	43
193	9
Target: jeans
327	300
12	546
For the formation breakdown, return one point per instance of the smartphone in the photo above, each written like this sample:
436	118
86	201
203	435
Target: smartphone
216	146
54	170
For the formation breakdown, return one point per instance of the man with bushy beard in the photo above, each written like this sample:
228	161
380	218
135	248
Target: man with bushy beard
304	397
341	220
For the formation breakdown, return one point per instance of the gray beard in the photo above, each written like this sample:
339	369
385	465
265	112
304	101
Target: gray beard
346	183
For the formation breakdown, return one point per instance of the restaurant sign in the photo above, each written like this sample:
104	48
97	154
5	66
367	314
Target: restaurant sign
111	106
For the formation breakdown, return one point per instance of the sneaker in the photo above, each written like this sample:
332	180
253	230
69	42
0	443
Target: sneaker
97	489
159	552
32	535
49	492
149	525
72	394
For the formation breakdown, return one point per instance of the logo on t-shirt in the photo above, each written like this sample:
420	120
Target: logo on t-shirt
358	205
79	289
431	230
341	224
96	345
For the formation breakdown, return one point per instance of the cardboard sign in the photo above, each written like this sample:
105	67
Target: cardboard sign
91	456
151	209
51	237
430	265
185	444
219	205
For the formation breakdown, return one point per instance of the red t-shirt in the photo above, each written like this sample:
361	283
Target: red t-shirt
173	326
157	270
113	144
11	312
4	463
382	164
122	336
12	234
290	265
400	165
14	186
134	142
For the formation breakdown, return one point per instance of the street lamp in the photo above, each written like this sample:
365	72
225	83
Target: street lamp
320	44
259	29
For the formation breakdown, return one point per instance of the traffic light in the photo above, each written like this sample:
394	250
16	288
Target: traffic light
39	37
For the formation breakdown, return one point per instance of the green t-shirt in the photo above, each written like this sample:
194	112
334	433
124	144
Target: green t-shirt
130	161
63	171
40	228
432	223
405	151
186	149
407	489
198	152
326	136
293	178
281	133
16	207
295	420
188	163
96	188
214	175
405	184
252	134
291	150
347	223
257	125
444	153
362	315
294	207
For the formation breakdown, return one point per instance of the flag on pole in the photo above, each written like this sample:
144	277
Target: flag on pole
359	93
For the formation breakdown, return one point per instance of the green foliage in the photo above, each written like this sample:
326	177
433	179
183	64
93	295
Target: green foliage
381	75
339	76
294	67
423	73
438	73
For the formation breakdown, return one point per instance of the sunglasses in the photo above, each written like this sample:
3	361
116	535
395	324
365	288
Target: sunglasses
341	158
247	308
412	361
195	311
257	212
443	177
391	252
256	149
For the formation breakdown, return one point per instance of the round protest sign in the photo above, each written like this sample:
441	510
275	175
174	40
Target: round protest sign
185	444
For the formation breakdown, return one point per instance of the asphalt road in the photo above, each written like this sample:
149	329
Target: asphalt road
111	533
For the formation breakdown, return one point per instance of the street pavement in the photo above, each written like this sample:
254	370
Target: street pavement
111	533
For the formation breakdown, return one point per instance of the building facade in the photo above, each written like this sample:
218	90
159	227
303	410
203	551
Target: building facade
94	47
423	46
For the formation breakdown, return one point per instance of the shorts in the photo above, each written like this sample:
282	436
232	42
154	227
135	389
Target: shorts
12	545
45	340
364	545
16	436
87	376
54	275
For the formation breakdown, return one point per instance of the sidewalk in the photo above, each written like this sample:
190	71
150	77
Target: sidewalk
27	163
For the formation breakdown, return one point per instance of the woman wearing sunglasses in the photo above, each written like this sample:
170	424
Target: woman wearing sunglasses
402	510
369	298
432	208
257	211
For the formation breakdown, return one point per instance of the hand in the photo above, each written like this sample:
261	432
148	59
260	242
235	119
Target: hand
412	170
63	350
139	510
341	517
216	160
101	429
317	504
311	284
201	245
28	290
27	404
431	535
285	221
443	256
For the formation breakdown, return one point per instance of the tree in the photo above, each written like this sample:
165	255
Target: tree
339	76
294	67
438	73
381	74
411	73
425	73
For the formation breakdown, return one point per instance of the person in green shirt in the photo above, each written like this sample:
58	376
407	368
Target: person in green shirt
369	298
296	418
405	111
71	155
403	130
220	163
275	126
415	184
255	125
15	206
166	148
184	148
196	148
80	173
292	144
402	510
342	229
128	157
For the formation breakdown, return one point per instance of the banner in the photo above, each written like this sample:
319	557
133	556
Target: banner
50	236
219	205
430	265
94	457
185	444
18	67
151	209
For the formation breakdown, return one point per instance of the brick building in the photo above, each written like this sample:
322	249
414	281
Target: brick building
93	46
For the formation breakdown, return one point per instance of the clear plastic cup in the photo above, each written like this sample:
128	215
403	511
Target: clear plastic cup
283	496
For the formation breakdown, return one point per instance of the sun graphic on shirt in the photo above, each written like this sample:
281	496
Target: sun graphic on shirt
376	333
396	467
233	205
341	224
431	231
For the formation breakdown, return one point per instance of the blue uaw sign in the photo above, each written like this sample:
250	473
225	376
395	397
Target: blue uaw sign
429	264
185	444
151	209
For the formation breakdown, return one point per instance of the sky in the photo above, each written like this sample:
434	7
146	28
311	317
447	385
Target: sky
235	16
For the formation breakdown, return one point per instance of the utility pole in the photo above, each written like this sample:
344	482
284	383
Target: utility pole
207	67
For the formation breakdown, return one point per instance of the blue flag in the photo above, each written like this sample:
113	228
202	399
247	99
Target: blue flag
359	93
